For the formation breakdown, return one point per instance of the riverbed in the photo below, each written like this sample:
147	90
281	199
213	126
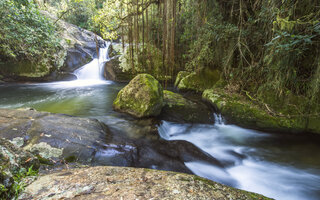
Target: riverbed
276	165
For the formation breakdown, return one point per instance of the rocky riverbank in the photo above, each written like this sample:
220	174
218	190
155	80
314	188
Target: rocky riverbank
265	110
57	140
129	183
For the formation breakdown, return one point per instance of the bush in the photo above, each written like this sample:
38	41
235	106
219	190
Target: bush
25	34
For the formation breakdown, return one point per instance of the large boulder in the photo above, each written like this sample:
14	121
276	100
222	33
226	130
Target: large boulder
179	109
13	161
80	45
113	72
180	76
198	82
54	137
129	183
142	97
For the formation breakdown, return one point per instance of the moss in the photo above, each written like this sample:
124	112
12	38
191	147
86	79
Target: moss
180	109
70	159
44	161
180	76
24	69
199	81
142	97
237	109
175	99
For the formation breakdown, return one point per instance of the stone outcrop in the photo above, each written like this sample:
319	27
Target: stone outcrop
197	82
142	97
13	160
129	183
78	47
240	110
180	109
58	139
113	72
55	137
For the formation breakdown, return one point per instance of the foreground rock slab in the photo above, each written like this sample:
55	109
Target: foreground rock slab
128	183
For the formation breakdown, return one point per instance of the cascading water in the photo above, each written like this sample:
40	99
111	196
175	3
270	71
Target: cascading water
93	70
252	160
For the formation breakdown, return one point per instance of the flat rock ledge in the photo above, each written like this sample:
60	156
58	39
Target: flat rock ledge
128	183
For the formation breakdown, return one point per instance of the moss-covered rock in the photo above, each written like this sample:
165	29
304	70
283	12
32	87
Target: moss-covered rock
237	109
180	76
142	97
130	183
13	160
198	82
179	109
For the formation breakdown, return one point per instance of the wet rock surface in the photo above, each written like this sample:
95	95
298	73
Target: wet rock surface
180	109
113	72
53	136
61	139
128	183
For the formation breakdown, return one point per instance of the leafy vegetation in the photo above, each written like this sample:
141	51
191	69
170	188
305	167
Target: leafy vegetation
19	184
257	45
26	34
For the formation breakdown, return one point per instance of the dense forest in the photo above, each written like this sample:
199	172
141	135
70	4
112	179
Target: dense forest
256	45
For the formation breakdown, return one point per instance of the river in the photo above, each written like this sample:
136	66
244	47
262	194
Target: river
277	165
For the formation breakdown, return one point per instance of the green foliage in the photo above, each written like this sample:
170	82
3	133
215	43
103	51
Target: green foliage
108	18
144	62
25	34
19	184
77	12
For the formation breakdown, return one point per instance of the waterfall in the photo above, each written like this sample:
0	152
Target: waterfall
93	71
219	119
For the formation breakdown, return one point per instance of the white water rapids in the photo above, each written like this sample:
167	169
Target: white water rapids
253	160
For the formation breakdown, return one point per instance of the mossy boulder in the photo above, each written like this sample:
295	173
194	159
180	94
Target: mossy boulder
142	97
13	160
180	109
198	82
239	110
180	76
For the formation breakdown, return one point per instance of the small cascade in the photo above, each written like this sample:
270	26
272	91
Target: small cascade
93	71
219	119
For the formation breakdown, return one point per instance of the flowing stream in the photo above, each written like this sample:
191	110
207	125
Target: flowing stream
277	165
